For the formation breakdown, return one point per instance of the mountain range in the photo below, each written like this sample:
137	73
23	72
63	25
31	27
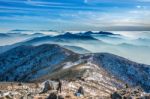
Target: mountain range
48	61
81	42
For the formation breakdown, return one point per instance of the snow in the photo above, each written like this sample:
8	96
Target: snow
71	64
31	62
128	71
10	93
68	65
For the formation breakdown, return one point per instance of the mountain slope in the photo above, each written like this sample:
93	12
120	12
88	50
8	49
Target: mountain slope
39	63
3	36
67	37
30	62
130	72
76	49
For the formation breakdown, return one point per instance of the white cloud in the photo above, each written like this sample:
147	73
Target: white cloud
85	1
143	0
41	3
141	7
138	6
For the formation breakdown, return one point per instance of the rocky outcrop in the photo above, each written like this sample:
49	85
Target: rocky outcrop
69	90
55	96
130	93
48	85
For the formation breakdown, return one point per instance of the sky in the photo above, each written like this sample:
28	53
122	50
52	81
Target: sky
75	15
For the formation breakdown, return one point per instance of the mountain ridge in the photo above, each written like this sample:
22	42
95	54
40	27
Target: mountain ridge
35	62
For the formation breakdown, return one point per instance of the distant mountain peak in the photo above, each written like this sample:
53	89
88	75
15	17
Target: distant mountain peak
69	35
4	35
19	30
105	33
89	33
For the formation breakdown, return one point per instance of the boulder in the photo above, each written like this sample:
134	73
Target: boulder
54	95
48	85
146	96
116	95
60	97
130	93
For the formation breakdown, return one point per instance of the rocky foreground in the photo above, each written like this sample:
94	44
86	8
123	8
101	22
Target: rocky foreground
47	90
43	91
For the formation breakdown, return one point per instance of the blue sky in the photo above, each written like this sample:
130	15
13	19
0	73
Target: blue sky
75	15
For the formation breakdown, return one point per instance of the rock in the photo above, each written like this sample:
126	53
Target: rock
20	84
130	93
1	93
55	96
52	96
48	85
116	95
145	96
60	97
9	97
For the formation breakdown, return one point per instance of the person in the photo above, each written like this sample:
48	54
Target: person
80	90
126	85
59	86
